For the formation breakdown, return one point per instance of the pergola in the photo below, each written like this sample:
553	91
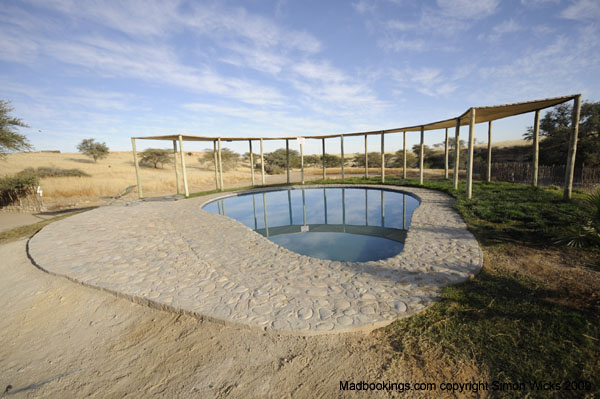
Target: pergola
470	117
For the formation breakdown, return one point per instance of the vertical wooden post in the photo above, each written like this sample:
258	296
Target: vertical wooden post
366	158
421	154
216	165
176	168
342	148
251	162
262	162
456	153
382	158
137	169
185	183
572	148
536	149
488	176
446	155
470	159
324	170
220	164
302	163
287	160
404	174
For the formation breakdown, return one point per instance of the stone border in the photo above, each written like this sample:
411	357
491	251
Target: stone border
174	255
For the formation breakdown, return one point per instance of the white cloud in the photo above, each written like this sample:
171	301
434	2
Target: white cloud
363	6
506	27
535	3
583	10
468	9
401	44
427	81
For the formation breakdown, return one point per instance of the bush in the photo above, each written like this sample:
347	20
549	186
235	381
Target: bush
14	187
52	171
277	158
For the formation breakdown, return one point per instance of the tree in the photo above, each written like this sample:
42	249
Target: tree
155	156
374	160
229	159
398	161
331	161
10	139
92	149
556	127
278	158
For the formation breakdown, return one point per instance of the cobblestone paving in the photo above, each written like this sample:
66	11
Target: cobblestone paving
174	255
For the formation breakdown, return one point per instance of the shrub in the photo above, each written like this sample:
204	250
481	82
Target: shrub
52	171
14	187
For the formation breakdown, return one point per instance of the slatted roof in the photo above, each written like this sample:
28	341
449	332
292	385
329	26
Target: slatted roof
482	114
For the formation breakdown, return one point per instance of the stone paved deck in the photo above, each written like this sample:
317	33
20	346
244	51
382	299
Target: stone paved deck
175	255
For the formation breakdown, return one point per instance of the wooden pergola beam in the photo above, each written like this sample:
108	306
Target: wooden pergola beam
446	155
488	176
185	182
570	170
456	153
421	154
470	155
536	149
137	169
382	158
176	168
251	162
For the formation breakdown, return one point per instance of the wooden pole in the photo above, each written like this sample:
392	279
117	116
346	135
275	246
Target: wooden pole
302	163
536	149
220	164
176	168
324	171
366	158
446	155
404	156
216	165
262	162
251	162
342	148
421	154
287	160
488	176
572	148
137	169
456	152
382	158
185	183
470	159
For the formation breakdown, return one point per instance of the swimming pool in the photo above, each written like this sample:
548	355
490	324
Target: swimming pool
337	223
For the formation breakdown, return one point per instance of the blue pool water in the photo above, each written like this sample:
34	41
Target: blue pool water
347	224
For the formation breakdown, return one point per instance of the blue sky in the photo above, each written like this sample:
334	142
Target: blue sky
75	69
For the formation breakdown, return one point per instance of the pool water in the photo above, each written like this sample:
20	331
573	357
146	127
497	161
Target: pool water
346	224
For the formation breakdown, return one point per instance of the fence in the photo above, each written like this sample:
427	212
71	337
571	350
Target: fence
520	172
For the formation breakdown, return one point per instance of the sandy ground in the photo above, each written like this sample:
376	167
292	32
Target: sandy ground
60	339
10	220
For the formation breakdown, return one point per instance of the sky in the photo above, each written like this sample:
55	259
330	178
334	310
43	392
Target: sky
110	70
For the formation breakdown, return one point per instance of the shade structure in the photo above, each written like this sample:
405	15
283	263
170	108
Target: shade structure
472	116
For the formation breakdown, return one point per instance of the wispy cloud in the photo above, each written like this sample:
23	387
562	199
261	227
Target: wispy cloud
583	10
502	29
428	81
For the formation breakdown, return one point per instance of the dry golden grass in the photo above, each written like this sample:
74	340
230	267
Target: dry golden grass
113	174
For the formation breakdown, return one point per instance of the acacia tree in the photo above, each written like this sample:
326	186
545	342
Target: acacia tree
93	149
229	158
10	139
156	156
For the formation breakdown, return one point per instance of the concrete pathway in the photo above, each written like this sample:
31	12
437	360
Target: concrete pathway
174	255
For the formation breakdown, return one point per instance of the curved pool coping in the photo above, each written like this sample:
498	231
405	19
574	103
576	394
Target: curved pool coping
173	255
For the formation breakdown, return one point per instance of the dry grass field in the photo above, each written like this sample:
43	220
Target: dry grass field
113	174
